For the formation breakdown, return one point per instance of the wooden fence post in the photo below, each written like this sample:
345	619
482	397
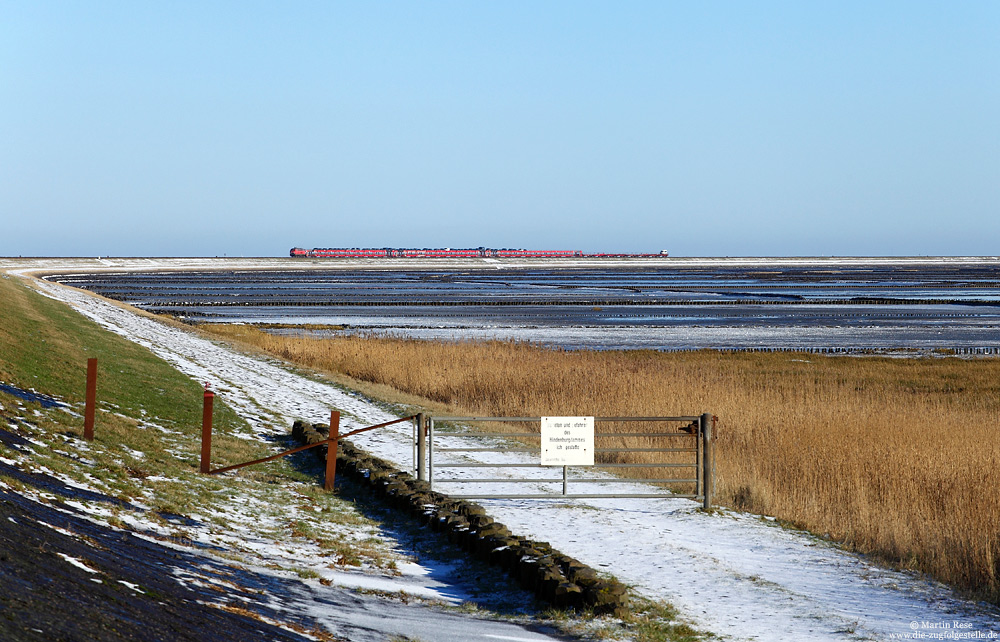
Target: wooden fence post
421	447
206	430
331	449
90	408
707	459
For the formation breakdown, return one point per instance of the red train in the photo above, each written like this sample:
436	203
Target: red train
447	252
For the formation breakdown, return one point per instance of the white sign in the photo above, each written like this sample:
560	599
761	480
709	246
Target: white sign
567	441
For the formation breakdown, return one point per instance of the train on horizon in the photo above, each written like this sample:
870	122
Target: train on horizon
447	252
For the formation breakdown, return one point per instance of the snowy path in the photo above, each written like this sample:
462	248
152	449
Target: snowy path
735	575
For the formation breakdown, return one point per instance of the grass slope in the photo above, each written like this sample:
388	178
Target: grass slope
45	345
140	475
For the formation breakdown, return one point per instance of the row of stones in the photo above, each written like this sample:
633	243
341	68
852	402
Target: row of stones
557	579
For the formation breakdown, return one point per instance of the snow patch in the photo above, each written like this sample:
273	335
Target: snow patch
77	563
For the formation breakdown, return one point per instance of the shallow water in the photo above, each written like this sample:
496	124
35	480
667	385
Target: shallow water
879	307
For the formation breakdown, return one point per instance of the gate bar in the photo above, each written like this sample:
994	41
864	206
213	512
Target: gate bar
456	418
596	434
582	496
381	425
297	449
553	480
596	450
477	465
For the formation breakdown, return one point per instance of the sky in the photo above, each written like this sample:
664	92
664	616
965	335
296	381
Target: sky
701	128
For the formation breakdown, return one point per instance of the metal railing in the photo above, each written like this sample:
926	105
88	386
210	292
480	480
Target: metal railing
691	443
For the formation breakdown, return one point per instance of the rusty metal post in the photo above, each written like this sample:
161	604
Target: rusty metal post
331	449
206	431
708	463
91	406
421	447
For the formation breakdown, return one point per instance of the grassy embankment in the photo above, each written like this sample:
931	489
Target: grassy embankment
44	345
148	434
899	458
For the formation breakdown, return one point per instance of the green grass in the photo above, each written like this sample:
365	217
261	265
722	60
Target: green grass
44	345
148	433
646	621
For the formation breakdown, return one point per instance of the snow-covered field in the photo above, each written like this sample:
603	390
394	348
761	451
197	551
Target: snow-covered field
737	575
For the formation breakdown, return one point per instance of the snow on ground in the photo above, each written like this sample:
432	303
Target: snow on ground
734	574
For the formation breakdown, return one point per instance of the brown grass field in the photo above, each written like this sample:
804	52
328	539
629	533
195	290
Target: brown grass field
897	458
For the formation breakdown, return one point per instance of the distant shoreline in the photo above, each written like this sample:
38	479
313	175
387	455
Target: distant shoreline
719	305
49	265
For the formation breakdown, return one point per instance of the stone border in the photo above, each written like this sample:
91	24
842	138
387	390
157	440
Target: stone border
557	579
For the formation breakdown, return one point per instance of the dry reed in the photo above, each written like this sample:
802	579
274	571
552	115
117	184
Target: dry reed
899	458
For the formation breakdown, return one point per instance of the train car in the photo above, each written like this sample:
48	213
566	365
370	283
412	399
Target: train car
447	252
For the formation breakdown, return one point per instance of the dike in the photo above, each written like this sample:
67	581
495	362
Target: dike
553	577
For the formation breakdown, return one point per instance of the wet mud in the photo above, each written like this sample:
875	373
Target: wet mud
754	307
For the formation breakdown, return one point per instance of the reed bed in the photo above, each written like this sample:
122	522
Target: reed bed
897	458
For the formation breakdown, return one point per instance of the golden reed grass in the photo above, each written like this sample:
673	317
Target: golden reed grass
898	458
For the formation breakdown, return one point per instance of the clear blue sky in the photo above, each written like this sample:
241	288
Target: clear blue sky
707	129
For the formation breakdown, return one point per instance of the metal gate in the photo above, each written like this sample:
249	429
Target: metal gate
678	452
